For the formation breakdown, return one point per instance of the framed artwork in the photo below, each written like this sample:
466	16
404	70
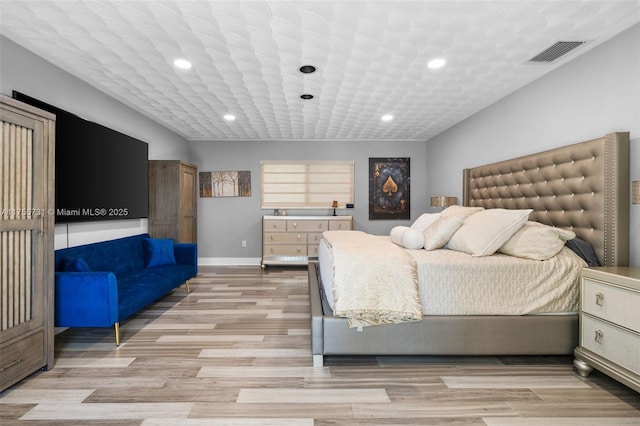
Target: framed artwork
389	188
225	184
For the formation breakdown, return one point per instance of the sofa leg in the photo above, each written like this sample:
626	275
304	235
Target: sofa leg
188	288
117	328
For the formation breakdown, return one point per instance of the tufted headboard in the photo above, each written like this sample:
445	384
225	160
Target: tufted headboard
583	187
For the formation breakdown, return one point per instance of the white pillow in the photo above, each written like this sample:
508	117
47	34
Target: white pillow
396	234
424	220
457	210
439	232
412	239
407	237
484	232
536	241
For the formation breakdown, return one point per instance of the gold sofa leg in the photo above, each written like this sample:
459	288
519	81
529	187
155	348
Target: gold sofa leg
117	328
188	288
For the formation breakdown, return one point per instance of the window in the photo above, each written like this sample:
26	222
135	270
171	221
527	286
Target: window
306	184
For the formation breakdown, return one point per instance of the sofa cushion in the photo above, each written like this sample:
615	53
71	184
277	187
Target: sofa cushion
73	264
158	252
121	256
139	289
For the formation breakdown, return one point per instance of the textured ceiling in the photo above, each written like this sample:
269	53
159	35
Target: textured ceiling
371	58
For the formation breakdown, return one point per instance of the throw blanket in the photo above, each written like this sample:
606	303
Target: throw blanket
374	281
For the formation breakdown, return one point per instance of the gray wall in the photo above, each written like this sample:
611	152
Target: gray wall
597	93
223	223
23	71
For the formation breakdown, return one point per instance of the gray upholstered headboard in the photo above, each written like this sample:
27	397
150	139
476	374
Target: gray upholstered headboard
583	187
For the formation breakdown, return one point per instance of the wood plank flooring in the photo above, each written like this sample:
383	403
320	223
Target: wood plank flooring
236	351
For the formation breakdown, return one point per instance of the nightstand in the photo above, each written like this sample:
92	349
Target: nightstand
610	324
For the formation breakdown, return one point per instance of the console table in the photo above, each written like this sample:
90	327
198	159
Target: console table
293	240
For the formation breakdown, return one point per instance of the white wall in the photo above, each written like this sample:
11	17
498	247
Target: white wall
595	94
25	72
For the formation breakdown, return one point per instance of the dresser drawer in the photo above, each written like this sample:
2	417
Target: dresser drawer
614	304
306	225
339	225
616	344
22	358
314	237
285	237
312	250
275	225
285	250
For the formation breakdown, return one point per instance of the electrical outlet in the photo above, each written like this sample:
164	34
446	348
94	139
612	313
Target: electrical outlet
244	243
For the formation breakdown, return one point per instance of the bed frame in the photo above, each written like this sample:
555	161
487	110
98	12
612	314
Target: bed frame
583	187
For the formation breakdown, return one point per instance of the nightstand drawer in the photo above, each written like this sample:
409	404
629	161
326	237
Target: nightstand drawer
285	250
611	303
285	237
616	344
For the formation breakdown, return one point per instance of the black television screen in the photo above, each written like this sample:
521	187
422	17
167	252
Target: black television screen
101	174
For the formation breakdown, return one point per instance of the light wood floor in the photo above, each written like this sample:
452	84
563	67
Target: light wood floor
236	351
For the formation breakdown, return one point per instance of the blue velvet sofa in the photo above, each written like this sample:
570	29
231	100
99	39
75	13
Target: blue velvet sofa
102	284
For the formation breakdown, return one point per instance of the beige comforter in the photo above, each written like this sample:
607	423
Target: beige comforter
374	281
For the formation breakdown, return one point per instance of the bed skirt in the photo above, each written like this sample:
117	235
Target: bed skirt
439	335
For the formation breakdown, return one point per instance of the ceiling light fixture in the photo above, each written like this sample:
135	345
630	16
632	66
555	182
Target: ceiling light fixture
183	64
386	118
436	63
306	96
229	117
307	69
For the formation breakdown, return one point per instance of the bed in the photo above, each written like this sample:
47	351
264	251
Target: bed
583	187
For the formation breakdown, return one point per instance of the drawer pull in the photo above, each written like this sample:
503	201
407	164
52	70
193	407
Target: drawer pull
275	226
598	337
599	299
299	249
15	362
295	225
271	237
299	236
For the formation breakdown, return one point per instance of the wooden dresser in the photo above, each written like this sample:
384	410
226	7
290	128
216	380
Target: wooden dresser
610	324
293	240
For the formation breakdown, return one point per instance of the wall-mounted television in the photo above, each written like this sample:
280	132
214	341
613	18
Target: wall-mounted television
101	174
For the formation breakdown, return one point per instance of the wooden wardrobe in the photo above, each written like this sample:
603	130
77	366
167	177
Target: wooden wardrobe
173	200
27	142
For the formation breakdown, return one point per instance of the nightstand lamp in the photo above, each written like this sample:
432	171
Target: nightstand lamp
334	205
443	201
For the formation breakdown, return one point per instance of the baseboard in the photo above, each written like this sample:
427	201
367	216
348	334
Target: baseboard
229	261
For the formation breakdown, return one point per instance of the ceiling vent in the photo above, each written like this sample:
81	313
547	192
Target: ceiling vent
556	51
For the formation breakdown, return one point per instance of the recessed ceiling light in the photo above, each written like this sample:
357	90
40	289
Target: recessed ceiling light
307	69
229	117
436	63
306	96
183	64
386	117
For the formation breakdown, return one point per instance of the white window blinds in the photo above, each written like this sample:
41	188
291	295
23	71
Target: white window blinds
306	184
